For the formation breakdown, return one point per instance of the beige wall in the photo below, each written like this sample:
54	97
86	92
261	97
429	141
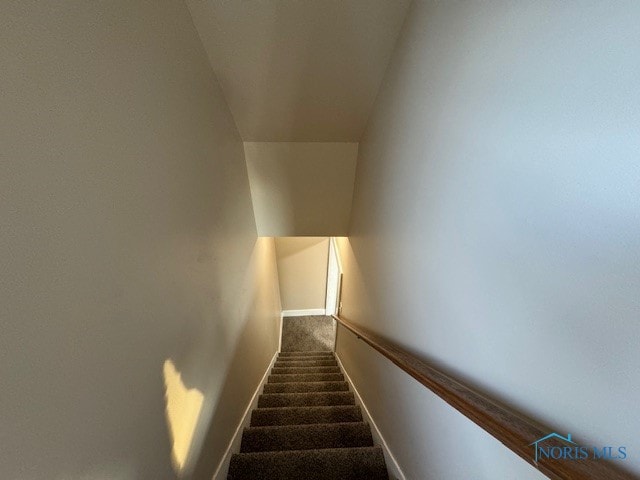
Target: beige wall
133	286
302	270
299	70
301	188
495	228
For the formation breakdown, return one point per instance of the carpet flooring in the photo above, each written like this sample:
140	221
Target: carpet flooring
308	334
307	425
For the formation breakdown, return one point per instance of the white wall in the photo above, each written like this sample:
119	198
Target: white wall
302	272
130	257
495	227
301	188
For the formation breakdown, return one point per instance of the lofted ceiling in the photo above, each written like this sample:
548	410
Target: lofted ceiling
299	70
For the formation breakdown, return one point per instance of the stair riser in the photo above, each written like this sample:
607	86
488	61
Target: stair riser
306	437
306	359
303	370
305	415
305	399
308	377
306	387
305	363
306	425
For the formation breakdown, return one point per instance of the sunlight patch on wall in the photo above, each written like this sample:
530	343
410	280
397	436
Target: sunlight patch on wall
182	412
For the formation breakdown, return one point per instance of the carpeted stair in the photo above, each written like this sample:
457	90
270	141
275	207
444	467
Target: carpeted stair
307	427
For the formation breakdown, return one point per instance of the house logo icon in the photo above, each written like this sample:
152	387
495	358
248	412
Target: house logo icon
566	439
570	450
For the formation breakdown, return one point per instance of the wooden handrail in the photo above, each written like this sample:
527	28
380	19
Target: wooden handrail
513	429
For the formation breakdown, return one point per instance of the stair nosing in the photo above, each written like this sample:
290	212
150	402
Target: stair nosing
309	393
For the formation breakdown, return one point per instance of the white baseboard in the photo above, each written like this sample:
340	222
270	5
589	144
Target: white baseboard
303	313
234	444
392	465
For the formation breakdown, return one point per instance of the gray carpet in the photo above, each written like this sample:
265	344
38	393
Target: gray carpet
307	425
308	334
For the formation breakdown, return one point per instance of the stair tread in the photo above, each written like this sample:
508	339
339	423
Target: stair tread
287	399
305	377
304	363
305	360
310	369
305	415
306	437
307	425
357	463
316	356
305	394
304	353
295	387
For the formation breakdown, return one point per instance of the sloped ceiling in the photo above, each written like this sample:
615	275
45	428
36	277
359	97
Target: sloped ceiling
299	70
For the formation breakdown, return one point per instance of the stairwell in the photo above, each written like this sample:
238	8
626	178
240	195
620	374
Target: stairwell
307	426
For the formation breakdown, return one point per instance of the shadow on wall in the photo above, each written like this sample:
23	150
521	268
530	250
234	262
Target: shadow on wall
208	388
301	188
271	185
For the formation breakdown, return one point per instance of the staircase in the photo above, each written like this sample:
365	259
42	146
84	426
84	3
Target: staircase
307	427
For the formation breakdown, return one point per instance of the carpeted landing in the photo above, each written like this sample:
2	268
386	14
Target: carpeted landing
307	427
